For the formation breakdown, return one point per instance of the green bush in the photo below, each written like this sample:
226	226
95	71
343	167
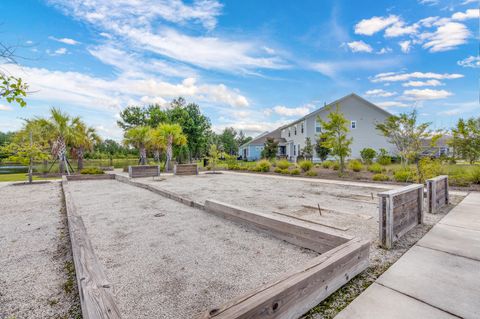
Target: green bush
383	158
429	168
311	173
380	177
295	171
305	165
283	164
404	175
368	154
459	176
263	166
336	166
233	166
327	164
285	171
355	165
375	168
475	175
92	171
278	170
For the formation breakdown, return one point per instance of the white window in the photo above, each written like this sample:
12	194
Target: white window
302	128
353	125
295	130
318	128
294	150
288	132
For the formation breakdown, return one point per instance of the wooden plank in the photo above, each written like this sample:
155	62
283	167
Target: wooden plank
339	212
86	177
437	193
298	291
186	169
298	233
312	221
143	171
96	292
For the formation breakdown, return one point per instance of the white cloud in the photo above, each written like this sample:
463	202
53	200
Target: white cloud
379	93
470	62
405	45
384	50
461	108
359	46
61	51
447	37
428	2
469	14
387	104
114	93
334	68
393	76
65	40
426	94
291	111
5	107
374	24
422	83
400	29
468	2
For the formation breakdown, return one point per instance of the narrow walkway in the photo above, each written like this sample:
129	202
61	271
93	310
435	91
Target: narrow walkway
439	277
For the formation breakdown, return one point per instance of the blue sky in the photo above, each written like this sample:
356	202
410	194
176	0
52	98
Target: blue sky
253	65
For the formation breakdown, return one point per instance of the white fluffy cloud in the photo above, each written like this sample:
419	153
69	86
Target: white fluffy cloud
5	107
469	14
65	40
387	104
400	29
447	37
470	62
375	24
291	111
405	45
394	77
379	93
422	83
359	46
425	94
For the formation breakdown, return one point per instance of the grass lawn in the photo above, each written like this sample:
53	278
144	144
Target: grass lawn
21	177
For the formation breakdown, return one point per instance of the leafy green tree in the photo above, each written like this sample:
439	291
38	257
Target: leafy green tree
5	138
84	138
214	155
242	139
196	127
138	137
321	150
173	135
157	143
228	140
132	116
270	148
12	88
335	135
368	154
466	139
307	151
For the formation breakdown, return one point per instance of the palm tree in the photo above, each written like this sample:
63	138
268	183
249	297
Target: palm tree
157	143
173	135
138	137
83	140
61	133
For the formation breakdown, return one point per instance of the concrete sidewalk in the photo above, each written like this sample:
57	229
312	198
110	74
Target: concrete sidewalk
439	277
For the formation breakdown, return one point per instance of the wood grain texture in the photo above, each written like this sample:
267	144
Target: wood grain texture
296	232
298	291
86	177
185	169
96	292
143	171
437	193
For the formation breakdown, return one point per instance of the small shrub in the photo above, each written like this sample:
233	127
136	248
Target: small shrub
429	168
283	164
285	171
295	171
91	171
263	166
375	168
311	173
305	165
355	165
383	158
327	164
475	175
458	176
233	167
336	166
380	177
368	154
278	170
404	175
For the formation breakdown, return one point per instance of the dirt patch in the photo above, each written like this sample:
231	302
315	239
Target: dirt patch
35	281
168	260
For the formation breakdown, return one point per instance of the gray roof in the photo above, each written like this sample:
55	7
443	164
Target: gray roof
260	139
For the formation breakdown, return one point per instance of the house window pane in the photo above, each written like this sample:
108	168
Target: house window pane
354	125
318	128
302	128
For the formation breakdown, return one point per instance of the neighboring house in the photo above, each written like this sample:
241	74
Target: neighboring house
362	117
252	150
441	147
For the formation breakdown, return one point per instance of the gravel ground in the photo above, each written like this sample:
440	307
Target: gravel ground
168	260
36	273
342	205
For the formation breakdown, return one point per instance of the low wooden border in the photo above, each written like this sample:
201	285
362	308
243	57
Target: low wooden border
296	292
185	169
437	193
399	211
87	177
97	298
143	171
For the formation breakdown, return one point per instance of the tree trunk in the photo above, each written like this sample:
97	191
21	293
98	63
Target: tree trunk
61	164
156	155
80	158
143	155
169	152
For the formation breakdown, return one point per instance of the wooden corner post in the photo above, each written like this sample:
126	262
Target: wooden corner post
437	193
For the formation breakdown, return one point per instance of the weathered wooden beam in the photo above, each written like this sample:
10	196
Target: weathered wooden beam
185	169
399	211
296	232
437	193
313	221
143	171
86	177
298	291
97	298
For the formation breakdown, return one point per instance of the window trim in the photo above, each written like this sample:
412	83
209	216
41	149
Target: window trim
353	125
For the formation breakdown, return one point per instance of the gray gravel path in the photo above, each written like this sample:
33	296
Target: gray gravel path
34	250
180	263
